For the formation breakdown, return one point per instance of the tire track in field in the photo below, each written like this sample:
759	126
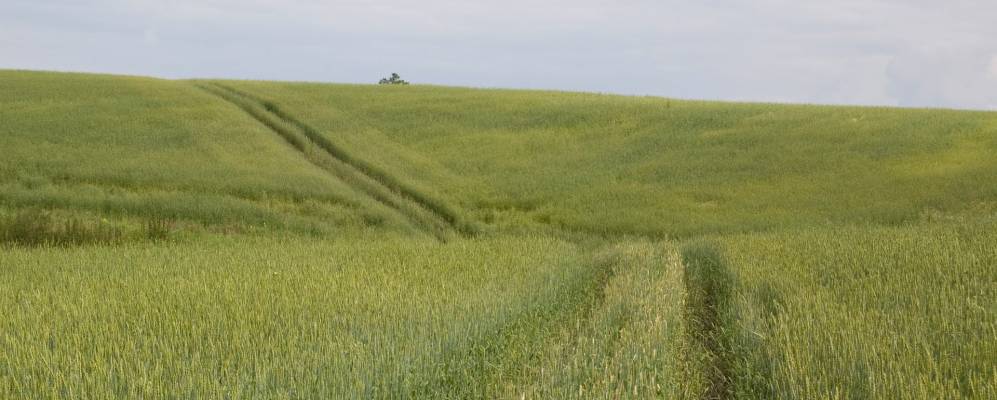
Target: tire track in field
708	317
574	304
426	213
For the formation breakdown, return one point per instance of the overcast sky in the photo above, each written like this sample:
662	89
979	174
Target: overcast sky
878	52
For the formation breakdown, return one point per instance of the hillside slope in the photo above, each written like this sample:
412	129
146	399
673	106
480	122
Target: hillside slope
142	148
231	239
498	160
617	164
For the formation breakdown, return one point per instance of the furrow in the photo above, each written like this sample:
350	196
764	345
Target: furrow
312	148
435	206
708	318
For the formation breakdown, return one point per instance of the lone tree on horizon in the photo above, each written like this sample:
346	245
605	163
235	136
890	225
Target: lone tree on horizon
393	80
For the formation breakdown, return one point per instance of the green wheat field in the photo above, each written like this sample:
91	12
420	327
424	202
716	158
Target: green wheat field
202	239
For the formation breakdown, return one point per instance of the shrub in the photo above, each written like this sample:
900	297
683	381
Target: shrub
394	79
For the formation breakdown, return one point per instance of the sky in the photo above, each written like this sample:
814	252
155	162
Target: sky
912	53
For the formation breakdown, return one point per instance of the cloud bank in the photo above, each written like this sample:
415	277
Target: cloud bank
877	52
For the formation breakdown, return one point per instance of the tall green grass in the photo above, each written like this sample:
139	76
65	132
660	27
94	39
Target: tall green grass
241	317
866	312
631	343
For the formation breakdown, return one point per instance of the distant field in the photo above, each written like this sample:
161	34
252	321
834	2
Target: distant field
150	149
235	239
613	164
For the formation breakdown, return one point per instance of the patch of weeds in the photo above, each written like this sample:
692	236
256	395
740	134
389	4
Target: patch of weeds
41	227
159	229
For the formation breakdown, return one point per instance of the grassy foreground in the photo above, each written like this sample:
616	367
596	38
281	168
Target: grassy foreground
308	318
860	312
222	239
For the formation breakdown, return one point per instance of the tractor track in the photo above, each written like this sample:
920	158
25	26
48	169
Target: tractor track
708	317
428	214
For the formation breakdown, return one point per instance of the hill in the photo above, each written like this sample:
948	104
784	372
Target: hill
148	149
212	238
656	166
